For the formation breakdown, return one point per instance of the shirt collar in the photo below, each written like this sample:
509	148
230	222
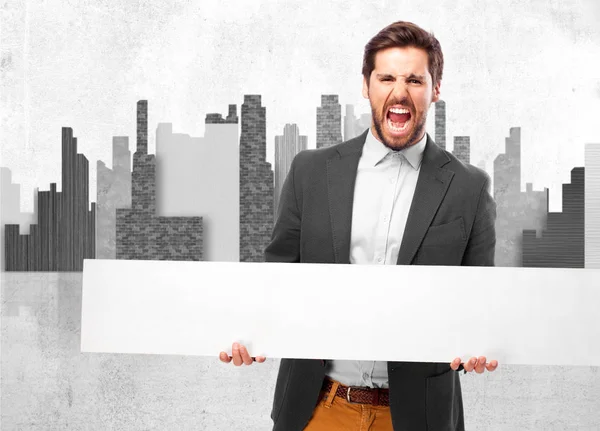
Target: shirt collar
374	151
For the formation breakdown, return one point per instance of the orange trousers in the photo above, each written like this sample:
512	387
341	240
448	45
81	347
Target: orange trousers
337	414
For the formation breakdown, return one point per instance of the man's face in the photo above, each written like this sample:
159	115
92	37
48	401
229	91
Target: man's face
400	90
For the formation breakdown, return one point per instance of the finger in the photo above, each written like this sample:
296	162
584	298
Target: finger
471	364
260	359
245	355
237	358
455	364
224	357
480	367
492	365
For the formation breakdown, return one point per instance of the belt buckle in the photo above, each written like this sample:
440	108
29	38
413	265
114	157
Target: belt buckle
348	394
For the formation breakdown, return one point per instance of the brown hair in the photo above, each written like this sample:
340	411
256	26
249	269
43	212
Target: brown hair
402	34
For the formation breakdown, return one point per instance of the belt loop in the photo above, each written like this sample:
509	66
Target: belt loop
331	394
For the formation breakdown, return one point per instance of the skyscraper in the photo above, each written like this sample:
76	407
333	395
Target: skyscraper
256	182
462	148
562	244
440	124
113	191
65	234
199	176
507	166
592	206
516	210
286	148
141	234
329	121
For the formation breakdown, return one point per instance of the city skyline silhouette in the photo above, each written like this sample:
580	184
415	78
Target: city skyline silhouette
144	212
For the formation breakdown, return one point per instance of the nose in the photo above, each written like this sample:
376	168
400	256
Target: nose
399	91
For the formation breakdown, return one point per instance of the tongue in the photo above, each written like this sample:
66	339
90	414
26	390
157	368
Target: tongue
399	118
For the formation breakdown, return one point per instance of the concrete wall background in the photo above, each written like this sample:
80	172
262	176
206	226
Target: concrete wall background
47	384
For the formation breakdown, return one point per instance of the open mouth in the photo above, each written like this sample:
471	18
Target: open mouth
398	119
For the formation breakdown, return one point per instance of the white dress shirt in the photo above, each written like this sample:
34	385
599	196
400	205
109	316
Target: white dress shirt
384	190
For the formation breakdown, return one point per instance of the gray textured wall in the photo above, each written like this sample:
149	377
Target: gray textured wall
47	384
84	65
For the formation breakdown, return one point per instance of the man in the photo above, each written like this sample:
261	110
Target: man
389	196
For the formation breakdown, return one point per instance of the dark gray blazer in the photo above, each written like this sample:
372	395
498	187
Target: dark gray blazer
451	222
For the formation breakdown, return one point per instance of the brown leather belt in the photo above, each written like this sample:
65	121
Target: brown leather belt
358	395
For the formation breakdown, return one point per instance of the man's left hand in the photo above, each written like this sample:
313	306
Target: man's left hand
477	364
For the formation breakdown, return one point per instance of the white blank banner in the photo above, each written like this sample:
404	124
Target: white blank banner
361	312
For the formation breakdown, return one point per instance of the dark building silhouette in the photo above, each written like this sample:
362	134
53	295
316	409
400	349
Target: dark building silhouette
141	234
10	209
516	210
256	182
440	124
562	243
462	148
113	191
286	148
329	121
66	230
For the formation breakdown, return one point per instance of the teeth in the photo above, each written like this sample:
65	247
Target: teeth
399	110
397	129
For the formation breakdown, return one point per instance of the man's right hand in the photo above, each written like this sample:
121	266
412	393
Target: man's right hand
240	356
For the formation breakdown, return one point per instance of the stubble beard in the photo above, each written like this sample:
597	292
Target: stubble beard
402	143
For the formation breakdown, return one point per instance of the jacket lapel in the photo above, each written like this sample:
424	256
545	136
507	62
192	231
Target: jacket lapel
341	178
431	188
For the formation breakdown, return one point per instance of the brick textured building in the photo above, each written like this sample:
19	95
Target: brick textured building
462	148
216	118
256	182
141	234
329	121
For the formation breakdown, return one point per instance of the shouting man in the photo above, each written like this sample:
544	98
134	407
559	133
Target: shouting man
390	196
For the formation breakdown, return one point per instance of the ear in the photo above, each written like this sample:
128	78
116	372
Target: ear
365	88
436	92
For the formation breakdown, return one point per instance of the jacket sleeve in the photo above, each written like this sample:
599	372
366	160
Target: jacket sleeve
285	239
481	247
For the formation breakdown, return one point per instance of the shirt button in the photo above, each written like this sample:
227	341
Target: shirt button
385	218
380	259
365	377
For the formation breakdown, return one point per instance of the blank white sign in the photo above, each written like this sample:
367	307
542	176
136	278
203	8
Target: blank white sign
360	312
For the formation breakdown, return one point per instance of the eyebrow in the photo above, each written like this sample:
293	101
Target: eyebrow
419	77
